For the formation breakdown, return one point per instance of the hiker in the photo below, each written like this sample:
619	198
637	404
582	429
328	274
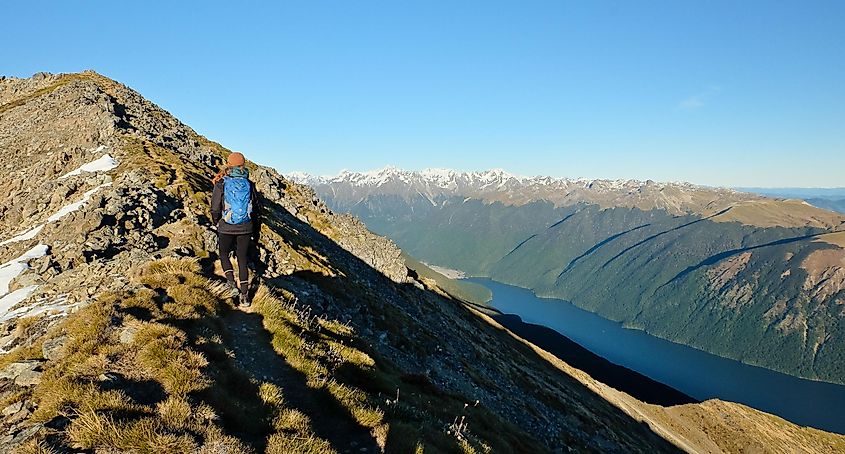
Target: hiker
234	210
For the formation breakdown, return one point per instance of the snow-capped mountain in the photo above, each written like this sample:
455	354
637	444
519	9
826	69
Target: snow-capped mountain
498	185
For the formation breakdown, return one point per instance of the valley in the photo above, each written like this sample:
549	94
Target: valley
742	276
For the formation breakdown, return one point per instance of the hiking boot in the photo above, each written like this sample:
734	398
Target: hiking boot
232	289
244	300
231	285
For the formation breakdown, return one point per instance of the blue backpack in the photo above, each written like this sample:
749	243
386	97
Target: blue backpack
237	200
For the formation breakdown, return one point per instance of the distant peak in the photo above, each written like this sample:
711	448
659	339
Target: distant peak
490	179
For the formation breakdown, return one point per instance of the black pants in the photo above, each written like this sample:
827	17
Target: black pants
240	244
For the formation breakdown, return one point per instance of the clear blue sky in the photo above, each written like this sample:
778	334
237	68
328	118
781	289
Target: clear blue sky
740	93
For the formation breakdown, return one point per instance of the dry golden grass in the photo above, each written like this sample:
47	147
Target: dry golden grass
177	344
282	443
35	447
837	239
178	368
784	213
317	347
175	412
292	421
161	353
173	265
146	435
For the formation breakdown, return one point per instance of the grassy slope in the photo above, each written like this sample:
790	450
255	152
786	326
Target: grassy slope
468	236
466	291
152	371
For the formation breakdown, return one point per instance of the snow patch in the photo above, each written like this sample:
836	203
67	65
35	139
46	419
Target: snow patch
27	235
103	164
55	306
70	208
63	211
13	268
11	299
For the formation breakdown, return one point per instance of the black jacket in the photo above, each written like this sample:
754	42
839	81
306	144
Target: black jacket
253	227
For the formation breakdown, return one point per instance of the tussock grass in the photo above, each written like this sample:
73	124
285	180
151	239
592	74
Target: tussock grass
356	402
69	396
146	435
292	421
167	352
180	391
174	266
175	412
366	384
283	443
36	447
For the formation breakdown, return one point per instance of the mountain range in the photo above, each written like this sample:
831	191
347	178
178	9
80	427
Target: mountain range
738	274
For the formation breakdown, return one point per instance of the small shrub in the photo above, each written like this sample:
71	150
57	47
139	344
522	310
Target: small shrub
175	412
281	443
293	421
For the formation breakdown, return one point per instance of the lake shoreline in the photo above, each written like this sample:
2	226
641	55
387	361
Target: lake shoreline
619	377
617	356
473	278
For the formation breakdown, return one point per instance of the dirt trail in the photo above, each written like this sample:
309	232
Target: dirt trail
254	353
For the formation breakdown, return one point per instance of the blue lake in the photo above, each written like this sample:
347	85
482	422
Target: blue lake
691	371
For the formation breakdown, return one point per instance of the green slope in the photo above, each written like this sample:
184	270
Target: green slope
646	269
463	290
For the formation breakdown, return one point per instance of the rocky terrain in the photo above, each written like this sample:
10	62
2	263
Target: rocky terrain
118	336
673	259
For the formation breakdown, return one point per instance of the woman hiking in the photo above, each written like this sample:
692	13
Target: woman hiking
234	210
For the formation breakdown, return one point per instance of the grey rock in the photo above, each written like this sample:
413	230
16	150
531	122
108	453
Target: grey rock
25	434
14	370
18	416
28	378
41	265
52	348
13	408
28	279
110	380
8	340
127	334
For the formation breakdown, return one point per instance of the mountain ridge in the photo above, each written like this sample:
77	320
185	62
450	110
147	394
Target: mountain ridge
498	185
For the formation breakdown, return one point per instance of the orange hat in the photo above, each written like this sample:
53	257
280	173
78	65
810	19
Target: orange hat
235	160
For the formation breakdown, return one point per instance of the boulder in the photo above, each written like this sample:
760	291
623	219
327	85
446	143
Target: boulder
23	373
52	348
28	378
13	408
127	334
